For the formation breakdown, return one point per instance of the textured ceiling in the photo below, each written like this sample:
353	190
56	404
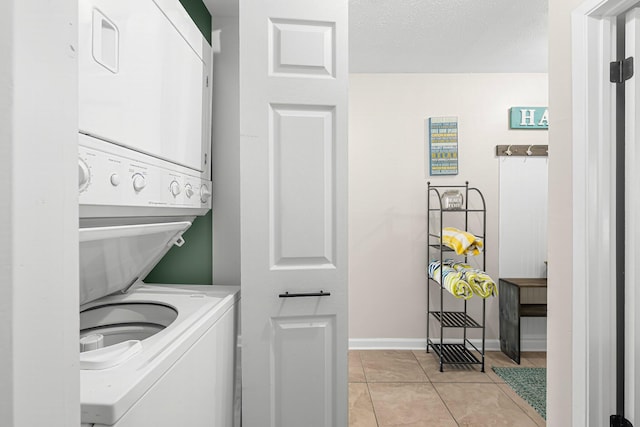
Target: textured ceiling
441	36
448	36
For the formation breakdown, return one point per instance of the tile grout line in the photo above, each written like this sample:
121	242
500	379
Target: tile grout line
436	390
366	381
518	406
455	420
523	358
533	365
373	407
364	372
421	367
527	403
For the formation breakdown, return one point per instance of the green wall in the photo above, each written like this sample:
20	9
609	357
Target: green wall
192	262
200	15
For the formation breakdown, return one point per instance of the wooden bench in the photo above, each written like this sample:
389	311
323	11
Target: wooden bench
513	306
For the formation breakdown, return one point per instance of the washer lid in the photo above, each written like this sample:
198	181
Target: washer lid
113	258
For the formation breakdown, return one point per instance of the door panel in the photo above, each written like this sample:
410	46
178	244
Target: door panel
302	194
304	48
304	350
293	121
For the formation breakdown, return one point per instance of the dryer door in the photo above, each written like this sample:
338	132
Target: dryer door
143	78
113	258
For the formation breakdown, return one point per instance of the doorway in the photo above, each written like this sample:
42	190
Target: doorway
595	24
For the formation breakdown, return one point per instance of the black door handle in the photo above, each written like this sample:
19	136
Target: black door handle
305	294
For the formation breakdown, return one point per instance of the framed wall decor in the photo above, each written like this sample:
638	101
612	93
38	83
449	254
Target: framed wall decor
442	137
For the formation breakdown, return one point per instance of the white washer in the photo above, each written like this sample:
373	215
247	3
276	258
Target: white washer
155	355
181	375
151	356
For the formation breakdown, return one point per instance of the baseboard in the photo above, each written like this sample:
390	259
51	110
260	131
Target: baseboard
407	344
386	344
527	344
534	343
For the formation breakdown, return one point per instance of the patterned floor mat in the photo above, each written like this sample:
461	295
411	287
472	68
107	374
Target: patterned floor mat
529	383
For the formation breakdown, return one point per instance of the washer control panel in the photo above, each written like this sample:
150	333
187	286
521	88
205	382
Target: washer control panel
137	180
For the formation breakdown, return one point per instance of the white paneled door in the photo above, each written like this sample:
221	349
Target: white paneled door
632	273
293	121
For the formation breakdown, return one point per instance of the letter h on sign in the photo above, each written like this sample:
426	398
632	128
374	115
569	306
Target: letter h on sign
527	117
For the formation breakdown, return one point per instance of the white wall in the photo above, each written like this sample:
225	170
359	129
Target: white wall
559	331
523	235
523	216
39	373
226	154
387	188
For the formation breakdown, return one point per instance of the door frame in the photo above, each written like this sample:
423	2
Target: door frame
39	316
593	323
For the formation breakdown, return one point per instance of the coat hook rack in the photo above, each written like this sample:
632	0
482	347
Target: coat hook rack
522	150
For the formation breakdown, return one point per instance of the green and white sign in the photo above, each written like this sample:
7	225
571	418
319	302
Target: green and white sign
529	118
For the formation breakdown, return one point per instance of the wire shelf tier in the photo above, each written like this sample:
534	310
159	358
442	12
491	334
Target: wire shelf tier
456	210
455	319
454	354
441	247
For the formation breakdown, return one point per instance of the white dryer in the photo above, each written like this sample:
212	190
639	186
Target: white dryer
145	79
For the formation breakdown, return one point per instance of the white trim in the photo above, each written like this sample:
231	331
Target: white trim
387	343
534	343
593	39
580	234
39	374
528	344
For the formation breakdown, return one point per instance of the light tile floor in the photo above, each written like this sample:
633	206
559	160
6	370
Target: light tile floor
393	388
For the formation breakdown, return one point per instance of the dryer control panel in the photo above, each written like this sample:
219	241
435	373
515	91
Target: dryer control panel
113	176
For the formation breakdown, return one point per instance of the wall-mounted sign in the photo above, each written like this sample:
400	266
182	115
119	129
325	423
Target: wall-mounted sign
442	134
529	118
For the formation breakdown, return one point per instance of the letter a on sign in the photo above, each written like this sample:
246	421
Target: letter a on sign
544	121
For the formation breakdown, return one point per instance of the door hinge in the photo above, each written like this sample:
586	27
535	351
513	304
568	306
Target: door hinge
621	71
620	421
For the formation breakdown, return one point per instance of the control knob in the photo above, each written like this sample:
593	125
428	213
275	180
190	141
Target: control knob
84	175
174	187
188	190
139	182
205	194
114	179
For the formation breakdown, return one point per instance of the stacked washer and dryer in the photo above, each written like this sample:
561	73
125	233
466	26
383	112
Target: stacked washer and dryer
149	355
